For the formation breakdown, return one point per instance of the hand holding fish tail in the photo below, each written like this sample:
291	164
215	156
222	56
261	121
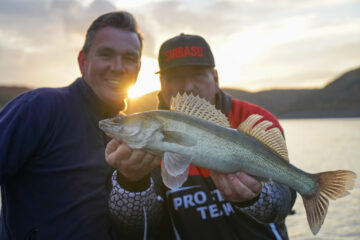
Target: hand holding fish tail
133	164
236	187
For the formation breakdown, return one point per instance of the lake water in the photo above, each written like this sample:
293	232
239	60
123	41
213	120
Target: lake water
317	145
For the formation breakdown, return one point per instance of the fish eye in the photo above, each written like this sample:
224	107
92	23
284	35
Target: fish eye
117	120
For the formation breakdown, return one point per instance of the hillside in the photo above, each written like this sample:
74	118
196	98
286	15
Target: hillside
273	100
340	98
8	93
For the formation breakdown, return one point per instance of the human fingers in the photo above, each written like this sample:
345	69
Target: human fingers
221	183
238	191
232	188
115	158
142	161
138	165
250	182
111	146
151	160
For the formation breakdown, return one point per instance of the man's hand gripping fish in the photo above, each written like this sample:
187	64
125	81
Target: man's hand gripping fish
195	132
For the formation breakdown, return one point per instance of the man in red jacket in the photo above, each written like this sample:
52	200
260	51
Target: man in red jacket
210	205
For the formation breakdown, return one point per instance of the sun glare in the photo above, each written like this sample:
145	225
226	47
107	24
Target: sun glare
147	80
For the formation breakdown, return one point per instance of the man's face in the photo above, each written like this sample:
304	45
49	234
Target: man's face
202	81
112	64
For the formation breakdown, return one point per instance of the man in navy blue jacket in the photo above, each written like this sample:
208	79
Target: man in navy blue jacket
52	164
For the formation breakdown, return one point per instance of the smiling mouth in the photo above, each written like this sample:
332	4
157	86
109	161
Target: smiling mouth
113	82
118	86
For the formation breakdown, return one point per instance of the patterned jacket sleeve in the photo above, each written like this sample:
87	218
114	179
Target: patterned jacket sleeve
273	205
134	213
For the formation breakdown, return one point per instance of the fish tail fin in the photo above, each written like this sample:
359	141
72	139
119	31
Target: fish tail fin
333	185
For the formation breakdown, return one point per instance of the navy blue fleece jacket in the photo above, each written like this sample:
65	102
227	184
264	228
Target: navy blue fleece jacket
52	166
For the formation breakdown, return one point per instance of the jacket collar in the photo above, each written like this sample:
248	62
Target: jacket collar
100	108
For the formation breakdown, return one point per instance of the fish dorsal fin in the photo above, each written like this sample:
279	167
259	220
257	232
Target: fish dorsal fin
272	138
198	107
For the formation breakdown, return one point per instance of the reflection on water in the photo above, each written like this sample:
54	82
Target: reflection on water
317	145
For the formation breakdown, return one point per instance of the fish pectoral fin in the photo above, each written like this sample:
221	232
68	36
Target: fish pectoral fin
176	163
175	169
173	182
179	138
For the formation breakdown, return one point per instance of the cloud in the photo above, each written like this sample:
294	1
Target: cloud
42	22
216	20
176	15
299	51
161	20
40	39
29	21
282	40
147	27
290	3
76	17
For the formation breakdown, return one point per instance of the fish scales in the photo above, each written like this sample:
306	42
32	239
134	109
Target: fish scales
225	150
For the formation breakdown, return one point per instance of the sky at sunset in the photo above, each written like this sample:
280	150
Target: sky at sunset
257	44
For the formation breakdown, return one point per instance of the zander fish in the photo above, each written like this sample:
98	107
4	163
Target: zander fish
195	132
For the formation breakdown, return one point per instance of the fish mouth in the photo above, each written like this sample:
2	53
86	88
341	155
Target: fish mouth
104	124
111	121
107	125
115	128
